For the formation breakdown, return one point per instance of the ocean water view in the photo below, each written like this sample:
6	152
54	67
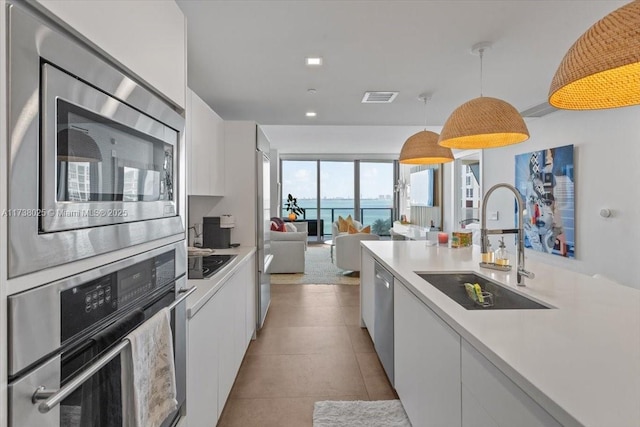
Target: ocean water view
375	212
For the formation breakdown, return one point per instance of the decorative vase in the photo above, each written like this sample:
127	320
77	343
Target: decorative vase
292	216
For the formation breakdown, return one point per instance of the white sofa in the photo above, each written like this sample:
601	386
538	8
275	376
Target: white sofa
288	250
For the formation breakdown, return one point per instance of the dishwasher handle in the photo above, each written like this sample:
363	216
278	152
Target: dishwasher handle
383	279
383	276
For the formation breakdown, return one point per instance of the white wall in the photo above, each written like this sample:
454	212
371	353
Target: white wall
149	38
607	175
274	156
240	198
448	190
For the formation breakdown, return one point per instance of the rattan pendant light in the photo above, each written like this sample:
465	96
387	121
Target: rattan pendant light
602	68
422	148
483	122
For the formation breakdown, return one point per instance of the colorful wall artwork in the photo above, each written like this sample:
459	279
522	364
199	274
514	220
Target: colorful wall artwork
545	179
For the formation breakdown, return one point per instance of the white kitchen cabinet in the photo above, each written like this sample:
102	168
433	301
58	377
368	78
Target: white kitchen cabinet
219	335
149	38
367	278
202	364
473	414
427	362
205	147
227	351
249	273
239	320
234	338
501	399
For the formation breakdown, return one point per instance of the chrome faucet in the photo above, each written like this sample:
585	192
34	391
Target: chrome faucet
519	231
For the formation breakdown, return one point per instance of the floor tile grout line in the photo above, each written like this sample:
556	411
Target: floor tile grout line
332	353
362	376
334	335
295	397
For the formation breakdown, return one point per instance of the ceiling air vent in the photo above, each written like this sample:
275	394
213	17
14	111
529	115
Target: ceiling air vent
379	97
539	110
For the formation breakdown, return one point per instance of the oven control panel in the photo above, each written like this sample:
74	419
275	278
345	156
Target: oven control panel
99	297
89	303
82	306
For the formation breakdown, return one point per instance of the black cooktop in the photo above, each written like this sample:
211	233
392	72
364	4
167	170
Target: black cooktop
202	267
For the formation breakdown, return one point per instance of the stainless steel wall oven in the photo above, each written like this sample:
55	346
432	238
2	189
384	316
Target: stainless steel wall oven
94	156
65	339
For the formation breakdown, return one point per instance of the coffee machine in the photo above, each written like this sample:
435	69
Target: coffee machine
216	231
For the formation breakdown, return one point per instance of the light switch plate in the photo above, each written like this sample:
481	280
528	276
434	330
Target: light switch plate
492	215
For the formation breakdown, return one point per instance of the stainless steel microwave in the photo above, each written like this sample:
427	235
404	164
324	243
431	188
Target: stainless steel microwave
96	159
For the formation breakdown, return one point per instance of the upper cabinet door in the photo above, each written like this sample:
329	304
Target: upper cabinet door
205	146
147	37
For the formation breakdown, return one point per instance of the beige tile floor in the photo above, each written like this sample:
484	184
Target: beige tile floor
311	348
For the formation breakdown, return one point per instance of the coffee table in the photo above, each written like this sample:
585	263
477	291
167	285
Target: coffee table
330	242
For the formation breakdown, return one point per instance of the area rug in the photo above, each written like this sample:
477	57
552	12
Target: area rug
358	413
318	270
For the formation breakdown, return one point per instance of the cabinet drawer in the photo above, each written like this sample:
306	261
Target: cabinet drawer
500	397
366	291
427	363
473	414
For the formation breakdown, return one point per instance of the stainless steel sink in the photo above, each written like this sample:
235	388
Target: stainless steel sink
452	285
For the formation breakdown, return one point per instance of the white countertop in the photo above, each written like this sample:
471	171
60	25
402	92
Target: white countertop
209	286
580	361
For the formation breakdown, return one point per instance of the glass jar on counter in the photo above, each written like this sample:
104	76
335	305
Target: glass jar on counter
502	255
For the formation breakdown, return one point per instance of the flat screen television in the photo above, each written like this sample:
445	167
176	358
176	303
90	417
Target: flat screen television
422	186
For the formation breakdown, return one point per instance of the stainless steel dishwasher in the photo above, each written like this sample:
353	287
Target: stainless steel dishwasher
383	318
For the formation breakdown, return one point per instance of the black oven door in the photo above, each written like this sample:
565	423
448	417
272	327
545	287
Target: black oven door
97	402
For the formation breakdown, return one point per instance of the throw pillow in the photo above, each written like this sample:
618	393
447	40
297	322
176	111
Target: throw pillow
343	227
290	227
277	224
343	224
353	230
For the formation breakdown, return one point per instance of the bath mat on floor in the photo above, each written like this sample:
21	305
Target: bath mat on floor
358	413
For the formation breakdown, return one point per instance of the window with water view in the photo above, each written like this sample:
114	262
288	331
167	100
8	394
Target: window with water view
333	194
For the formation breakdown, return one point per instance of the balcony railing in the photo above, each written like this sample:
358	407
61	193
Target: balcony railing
380	219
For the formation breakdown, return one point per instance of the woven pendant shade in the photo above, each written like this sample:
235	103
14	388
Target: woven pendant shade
483	123
422	148
602	68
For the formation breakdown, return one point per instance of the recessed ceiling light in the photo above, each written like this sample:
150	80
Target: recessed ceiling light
313	61
310	114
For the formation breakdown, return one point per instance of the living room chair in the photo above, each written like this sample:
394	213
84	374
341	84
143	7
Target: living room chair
335	230
348	249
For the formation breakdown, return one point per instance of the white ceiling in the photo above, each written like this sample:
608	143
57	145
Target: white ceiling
246	60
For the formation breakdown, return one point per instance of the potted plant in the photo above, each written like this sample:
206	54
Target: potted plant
291	205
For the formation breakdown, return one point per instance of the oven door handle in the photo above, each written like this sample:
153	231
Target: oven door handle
52	398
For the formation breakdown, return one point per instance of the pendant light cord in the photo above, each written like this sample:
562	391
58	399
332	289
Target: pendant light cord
481	52
425	99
